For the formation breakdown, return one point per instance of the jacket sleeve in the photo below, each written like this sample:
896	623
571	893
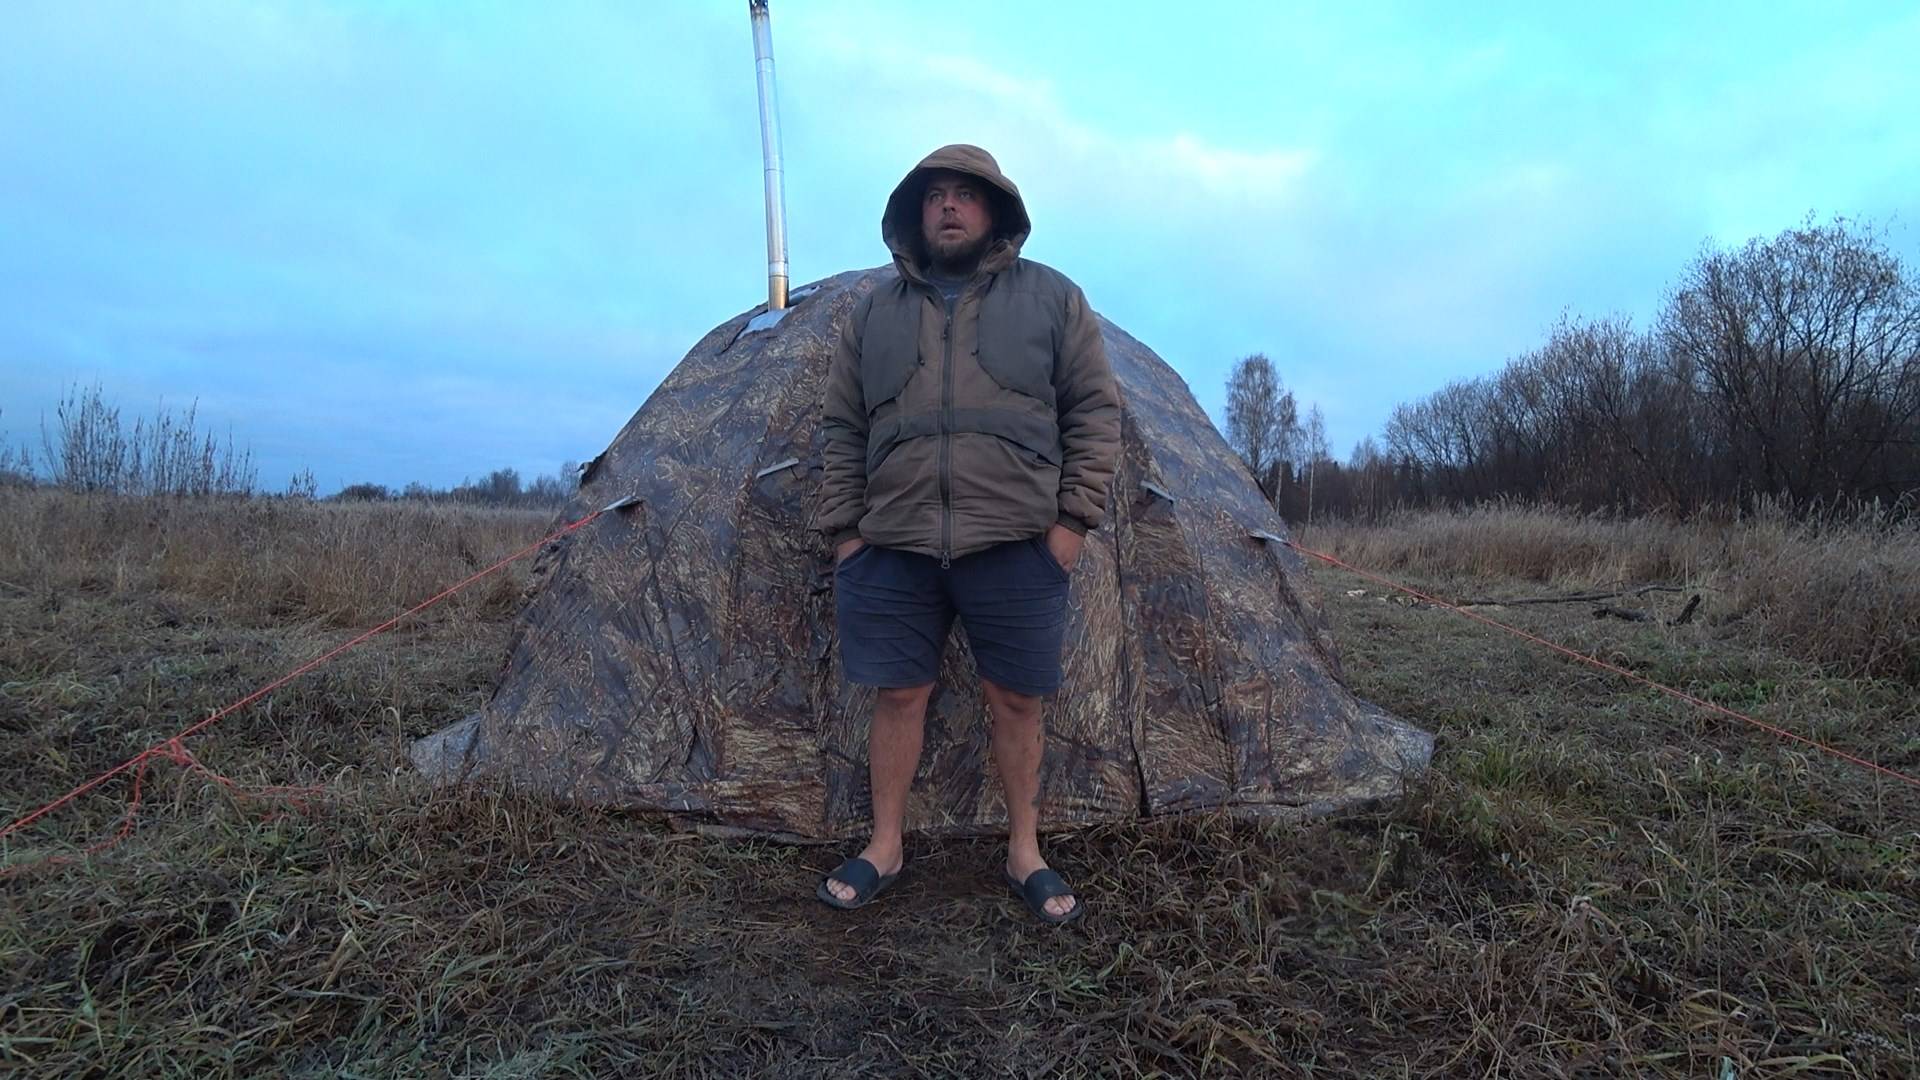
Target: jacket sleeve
842	499
1089	407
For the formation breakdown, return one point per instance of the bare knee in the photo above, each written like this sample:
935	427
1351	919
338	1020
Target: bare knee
1012	705
902	701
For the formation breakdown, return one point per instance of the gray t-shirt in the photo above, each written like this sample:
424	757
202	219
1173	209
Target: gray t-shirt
949	287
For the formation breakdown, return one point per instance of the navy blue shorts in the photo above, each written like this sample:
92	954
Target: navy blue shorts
895	608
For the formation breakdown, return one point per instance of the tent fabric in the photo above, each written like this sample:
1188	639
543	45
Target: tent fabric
679	655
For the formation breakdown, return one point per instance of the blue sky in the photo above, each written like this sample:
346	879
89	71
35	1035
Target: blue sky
420	241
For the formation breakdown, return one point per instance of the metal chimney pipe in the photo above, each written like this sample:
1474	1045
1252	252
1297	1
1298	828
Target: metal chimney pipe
770	154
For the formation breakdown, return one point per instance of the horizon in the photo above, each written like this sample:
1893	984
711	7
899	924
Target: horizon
520	222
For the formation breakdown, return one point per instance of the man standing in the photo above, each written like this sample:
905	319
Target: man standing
972	430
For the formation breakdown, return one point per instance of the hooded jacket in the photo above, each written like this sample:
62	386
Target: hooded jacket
948	434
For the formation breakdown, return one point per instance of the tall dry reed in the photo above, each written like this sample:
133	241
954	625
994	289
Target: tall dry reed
344	564
1843	592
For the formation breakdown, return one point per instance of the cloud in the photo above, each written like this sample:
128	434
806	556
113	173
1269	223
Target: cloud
919	99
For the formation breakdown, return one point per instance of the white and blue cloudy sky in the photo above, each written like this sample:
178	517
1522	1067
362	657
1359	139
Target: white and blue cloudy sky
400	241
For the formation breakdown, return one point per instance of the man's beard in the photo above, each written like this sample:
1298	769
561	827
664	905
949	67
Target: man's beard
957	254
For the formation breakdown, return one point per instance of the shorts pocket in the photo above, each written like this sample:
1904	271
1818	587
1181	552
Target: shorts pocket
858	555
1047	557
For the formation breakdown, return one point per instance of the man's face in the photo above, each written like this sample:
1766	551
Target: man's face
956	219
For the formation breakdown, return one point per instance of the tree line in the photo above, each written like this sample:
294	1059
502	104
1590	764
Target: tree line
501	487
1786	370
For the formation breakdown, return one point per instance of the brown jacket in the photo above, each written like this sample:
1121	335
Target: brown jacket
947	436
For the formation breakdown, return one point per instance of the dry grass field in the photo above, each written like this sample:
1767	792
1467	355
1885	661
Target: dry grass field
1593	881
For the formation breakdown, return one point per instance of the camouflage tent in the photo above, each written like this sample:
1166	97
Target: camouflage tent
678	655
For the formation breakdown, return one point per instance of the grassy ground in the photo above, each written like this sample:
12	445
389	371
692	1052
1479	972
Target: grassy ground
1593	881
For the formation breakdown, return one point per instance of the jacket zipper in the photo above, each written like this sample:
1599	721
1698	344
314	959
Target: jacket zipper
946	438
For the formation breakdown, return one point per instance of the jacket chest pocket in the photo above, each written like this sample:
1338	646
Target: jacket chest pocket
1017	343
889	348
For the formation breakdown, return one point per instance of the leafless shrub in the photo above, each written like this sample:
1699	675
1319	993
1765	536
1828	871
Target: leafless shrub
303	486
90	448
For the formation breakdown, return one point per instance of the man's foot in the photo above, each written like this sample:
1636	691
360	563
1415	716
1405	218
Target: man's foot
1021	867
885	859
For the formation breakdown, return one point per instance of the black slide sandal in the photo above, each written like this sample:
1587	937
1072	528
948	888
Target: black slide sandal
1041	886
863	876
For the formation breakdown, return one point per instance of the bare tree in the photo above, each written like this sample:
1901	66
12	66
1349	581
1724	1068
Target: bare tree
1373	485
1808	347
1262	419
1788	368
1314	438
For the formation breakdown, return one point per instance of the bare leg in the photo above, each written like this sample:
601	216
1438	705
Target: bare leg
1017	748
893	753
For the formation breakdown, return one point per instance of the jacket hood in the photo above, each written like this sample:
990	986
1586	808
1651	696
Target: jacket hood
900	224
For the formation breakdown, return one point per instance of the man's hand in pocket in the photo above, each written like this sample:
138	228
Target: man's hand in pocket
1065	545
